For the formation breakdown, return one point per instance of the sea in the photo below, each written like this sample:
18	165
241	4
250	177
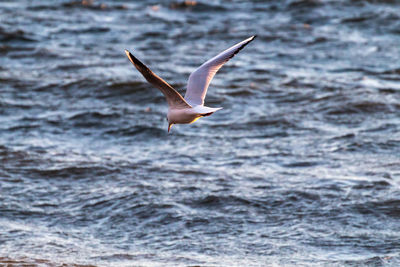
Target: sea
301	167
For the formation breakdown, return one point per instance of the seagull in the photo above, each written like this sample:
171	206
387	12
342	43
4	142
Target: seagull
188	109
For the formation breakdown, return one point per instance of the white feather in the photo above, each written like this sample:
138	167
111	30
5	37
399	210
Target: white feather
200	79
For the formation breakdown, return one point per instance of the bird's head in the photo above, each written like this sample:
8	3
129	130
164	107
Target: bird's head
170	123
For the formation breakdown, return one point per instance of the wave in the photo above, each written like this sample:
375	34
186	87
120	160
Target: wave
197	6
361	107
137	131
15	36
88	30
28	261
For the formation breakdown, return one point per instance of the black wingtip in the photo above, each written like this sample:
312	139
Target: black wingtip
135	61
130	56
127	52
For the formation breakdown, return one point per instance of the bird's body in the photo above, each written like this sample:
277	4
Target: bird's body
189	115
191	108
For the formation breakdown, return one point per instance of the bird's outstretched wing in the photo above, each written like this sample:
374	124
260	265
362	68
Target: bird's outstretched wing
200	79
174	99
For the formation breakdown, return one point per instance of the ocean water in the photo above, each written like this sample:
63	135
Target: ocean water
300	168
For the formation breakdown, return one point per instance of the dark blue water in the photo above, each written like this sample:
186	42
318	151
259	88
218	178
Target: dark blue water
301	167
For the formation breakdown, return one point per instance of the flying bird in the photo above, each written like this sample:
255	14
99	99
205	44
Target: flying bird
188	109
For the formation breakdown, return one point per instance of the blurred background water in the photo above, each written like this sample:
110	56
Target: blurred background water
301	167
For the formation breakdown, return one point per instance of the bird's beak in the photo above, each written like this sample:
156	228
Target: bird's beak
169	126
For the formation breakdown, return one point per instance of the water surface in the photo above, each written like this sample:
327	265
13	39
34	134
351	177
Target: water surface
301	167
